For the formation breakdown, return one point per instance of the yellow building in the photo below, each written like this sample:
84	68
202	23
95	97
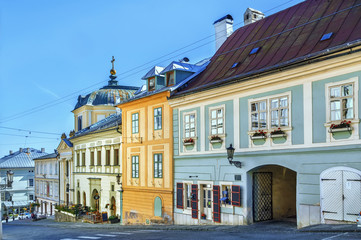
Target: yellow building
148	146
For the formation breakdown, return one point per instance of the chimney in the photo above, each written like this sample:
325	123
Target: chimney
252	15
20	149
223	28
42	150
10	152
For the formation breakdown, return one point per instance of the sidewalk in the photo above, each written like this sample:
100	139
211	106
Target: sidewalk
268	226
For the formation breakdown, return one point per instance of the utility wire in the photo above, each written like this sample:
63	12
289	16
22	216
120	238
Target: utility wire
70	96
15	135
30	131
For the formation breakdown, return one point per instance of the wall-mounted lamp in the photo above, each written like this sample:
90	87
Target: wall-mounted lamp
118	179
230	153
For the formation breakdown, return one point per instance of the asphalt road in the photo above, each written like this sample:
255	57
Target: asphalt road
38	232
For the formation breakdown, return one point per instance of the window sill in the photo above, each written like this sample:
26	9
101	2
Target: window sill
216	141
188	143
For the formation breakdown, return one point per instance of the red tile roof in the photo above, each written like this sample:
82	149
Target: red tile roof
284	38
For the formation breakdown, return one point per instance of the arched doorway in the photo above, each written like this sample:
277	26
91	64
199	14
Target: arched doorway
340	194
273	191
157	207
113	207
84	199
78	197
95	200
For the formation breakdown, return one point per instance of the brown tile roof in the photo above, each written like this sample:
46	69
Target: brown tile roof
284	38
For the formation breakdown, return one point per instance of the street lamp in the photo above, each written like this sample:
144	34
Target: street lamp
230	153
10	177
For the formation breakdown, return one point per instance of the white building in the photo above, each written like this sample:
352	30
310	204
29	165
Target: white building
20	193
47	183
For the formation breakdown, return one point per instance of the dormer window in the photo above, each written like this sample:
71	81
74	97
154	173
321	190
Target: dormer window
151	84
170	79
80	121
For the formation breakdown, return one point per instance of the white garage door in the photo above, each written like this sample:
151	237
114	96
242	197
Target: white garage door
341	195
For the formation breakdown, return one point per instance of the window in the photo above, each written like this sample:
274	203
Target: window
269	113
92	158
99	158
254	51
116	157
170	78
157	118
151	84
107	157
56	168
189	125
31	197
217	120
259	115
341	102
67	168
112	187
226	195
83	159
37	187
80	123
187	195
56	190
158	165
77	159
31	182
135	166
326	36
135	123
279	112
235	65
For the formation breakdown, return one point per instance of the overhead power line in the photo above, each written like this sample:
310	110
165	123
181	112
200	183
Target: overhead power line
71	95
15	135
30	131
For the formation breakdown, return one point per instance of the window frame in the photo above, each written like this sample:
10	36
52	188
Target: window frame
135	166
223	117
329	99
31	182
168	74
135	126
185	197
149	87
158	165
268	100
157	117
185	130
229	186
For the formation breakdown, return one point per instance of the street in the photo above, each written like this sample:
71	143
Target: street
78	231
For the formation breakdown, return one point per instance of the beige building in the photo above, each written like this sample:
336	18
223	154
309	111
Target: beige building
65	158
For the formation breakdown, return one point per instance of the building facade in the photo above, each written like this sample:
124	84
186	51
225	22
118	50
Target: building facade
19	193
286	98
148	146
47	183
65	158
97	166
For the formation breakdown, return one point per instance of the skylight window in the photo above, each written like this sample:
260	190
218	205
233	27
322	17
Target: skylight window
235	65
254	50
326	36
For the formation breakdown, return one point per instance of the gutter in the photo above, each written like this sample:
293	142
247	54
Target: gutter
275	68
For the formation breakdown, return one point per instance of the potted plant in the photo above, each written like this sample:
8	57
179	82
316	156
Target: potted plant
203	216
188	141
341	127
113	219
216	139
259	134
277	133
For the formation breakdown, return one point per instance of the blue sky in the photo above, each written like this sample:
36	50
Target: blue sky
53	51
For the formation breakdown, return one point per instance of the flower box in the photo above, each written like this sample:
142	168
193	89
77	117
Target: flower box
259	134
215	139
188	141
335	130
258	137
